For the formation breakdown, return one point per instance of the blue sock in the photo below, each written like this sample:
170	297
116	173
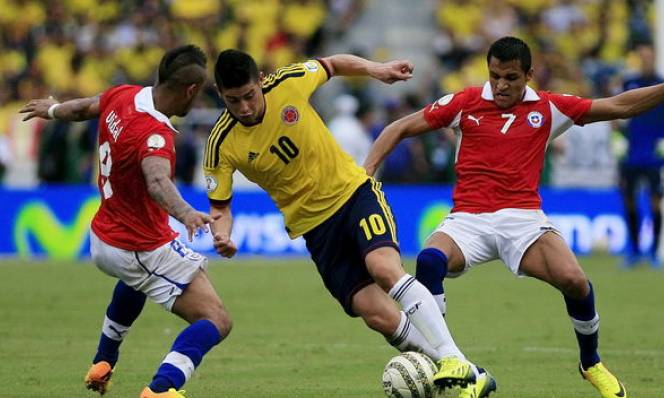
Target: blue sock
586	326
431	269
186	354
126	305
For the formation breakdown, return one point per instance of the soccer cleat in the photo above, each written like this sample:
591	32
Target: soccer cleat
453	371
485	385
171	393
606	383
99	377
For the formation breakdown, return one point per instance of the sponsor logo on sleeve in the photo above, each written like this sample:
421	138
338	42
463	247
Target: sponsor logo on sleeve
445	100
211	183
156	141
535	119
442	101
311	66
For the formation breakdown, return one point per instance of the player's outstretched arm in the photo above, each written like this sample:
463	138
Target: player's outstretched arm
157	172
221	229
625	105
408	126
75	110
352	65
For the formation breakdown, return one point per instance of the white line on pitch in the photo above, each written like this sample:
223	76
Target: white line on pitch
652	353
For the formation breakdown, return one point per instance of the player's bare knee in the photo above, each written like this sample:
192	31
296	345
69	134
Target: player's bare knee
213	311
380	323
224	324
221	319
384	265
378	312
386	274
573	282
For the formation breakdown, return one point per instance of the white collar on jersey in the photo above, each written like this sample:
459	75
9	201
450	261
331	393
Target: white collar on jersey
487	94
144	103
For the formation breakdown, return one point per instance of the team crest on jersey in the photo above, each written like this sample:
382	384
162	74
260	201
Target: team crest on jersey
535	119
311	66
290	115
445	100
156	141
211	183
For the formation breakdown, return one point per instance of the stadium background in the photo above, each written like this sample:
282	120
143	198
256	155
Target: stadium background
72	48
79	47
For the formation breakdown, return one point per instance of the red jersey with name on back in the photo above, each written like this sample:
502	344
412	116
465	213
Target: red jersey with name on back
131	129
500	152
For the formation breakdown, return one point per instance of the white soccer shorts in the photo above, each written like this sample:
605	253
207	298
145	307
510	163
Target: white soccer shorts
505	235
162	274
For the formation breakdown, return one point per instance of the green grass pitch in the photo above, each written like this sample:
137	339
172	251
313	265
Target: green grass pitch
291	339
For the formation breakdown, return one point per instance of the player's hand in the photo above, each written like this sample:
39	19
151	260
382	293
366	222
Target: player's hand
393	71
196	220
38	108
224	245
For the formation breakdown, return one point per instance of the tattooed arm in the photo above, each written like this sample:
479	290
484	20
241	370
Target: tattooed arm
157	172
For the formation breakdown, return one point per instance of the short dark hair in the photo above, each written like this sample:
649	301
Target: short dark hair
178	66
234	69
509	49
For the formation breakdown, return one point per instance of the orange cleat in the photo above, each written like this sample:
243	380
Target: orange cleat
99	377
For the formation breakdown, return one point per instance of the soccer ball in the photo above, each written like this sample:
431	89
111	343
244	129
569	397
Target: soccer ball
410	374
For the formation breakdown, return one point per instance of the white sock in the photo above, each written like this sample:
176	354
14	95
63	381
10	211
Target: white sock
114	330
423	312
442	303
408	338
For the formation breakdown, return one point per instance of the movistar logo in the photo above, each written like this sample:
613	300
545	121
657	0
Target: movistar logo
36	223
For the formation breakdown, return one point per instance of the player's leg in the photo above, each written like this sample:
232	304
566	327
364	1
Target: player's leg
439	256
655	183
126	305
168	275
372	227
380	313
210	323
628	185
371	224
550	260
384	265
419	306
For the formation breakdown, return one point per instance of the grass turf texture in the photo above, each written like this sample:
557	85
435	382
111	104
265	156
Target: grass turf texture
291	339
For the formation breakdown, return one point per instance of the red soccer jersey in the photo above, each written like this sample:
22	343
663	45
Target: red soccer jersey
500	152
130	129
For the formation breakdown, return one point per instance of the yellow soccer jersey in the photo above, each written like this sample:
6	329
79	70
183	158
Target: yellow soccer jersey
291	154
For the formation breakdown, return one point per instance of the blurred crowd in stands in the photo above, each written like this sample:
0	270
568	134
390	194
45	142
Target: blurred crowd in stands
72	48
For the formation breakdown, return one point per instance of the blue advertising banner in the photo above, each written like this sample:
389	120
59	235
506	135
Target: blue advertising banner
54	222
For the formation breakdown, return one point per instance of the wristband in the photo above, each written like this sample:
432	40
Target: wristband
51	111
